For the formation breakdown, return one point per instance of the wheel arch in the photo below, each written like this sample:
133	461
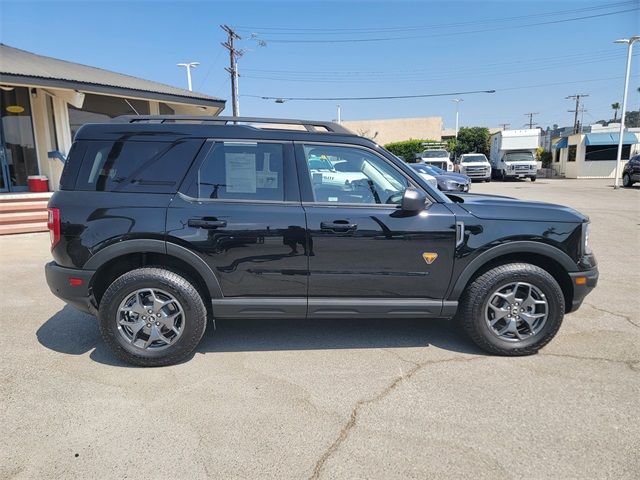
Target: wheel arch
549	258
114	260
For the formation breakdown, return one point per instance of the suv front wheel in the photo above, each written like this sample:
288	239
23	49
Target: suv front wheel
513	309
152	317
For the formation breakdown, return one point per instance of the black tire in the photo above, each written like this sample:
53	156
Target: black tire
194	313
471	312
488	180
533	179
626	181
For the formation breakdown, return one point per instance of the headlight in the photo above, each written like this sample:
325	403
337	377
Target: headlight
585	239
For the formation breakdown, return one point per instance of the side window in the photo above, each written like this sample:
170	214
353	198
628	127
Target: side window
352	175
241	171
132	166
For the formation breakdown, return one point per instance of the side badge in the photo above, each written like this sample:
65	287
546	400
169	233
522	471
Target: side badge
429	257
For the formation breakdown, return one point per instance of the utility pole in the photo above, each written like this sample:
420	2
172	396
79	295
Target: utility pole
578	127
577	97
233	65
339	114
505	125
530	115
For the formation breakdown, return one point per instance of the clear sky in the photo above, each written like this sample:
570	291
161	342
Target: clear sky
532	52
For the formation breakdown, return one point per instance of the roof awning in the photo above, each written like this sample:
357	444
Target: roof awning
610	138
564	141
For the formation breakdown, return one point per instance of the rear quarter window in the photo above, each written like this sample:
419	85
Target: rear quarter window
135	166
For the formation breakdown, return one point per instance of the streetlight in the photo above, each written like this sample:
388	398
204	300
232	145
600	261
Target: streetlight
629	42
189	66
339	114
457	100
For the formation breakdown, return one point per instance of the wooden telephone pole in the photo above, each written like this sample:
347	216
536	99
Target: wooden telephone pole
233	66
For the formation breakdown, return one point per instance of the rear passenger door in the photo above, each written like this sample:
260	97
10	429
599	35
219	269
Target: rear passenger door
364	252
239	209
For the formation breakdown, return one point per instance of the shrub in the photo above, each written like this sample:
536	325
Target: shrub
407	148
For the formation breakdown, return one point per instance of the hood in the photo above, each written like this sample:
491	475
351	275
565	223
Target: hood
494	207
457	177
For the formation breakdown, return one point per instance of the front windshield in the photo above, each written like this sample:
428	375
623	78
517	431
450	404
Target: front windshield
435	154
474	159
518	157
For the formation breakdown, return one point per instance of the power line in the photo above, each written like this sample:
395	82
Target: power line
444	34
311	78
349	30
386	97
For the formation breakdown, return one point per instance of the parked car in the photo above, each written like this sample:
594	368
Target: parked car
475	166
425	174
445	181
631	172
160	227
436	157
324	171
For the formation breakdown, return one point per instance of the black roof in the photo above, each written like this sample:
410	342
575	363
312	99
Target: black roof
172	127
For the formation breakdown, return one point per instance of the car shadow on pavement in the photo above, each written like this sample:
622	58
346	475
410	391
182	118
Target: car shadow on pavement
75	333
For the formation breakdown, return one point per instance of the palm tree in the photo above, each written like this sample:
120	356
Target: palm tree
616	107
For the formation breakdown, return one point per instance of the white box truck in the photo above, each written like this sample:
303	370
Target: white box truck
513	153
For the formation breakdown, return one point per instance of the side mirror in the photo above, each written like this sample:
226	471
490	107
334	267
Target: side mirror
413	200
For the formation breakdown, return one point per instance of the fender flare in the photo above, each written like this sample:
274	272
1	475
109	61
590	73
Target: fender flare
157	246
522	247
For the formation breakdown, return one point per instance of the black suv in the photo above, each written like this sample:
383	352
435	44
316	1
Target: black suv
163	224
631	172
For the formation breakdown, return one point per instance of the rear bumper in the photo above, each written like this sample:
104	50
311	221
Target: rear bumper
581	291
80	295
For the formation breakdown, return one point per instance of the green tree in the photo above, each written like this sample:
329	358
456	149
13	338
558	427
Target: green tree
472	140
616	107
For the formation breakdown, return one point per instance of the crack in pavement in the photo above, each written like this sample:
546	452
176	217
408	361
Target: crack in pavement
615	314
351	423
631	364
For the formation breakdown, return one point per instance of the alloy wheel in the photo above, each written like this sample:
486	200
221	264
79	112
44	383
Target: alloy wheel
150	319
516	311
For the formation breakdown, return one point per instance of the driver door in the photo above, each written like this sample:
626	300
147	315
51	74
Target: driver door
361	245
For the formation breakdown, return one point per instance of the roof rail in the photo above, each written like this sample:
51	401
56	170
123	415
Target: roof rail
316	126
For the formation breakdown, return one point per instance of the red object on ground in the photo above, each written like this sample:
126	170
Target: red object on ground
38	183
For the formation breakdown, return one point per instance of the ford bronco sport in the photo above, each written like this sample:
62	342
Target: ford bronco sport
163	224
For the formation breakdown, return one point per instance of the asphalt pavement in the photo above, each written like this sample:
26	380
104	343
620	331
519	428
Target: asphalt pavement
332	398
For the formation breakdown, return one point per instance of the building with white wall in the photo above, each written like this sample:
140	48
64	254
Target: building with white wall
593	154
43	102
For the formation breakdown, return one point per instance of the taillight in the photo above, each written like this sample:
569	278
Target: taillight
53	224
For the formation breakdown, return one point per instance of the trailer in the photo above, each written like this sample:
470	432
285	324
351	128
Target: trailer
513	153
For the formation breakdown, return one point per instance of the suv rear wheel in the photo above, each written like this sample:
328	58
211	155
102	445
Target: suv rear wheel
626	181
513	309
152	317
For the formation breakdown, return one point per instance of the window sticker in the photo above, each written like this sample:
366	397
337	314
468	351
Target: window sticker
240	173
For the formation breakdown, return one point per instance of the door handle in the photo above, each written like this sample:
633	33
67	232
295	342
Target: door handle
338	226
209	224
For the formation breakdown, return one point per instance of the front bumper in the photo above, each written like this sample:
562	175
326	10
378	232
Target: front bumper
58	279
582	289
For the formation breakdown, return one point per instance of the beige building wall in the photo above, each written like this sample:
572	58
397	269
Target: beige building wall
397	129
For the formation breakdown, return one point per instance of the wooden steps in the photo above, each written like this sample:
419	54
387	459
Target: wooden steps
23	213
